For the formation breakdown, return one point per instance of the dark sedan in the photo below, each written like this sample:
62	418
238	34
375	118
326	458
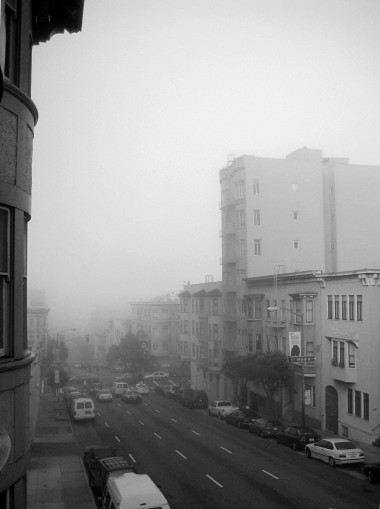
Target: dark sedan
372	472
241	418
266	428
95	453
297	437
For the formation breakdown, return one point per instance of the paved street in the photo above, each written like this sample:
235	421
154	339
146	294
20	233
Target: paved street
200	462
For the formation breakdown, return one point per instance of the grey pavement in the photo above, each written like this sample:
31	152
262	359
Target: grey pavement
56	478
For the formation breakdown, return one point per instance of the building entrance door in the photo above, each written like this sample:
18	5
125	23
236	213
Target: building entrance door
331	408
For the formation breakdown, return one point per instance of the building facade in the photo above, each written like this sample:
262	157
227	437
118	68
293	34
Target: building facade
200	337
156	323
335	318
22	25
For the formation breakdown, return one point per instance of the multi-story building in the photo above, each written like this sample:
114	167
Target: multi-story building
22	24
156	323
200	337
335	318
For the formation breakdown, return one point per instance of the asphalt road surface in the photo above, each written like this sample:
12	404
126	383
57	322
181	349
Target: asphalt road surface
200	462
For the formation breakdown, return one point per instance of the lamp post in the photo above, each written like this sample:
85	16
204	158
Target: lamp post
300	315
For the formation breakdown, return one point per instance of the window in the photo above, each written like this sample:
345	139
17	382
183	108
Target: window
4	280
256	217
329	307
336	307
250	343
341	353
344	307
309	395
359	308
215	306
241	215
351	355
351	307
296	214
296	244
309	347
309	308
257	247
365	406
358	403
239	189
335	352
215	331
257	309
242	248
255	187
350	405
258	342
11	42
332	246
186	326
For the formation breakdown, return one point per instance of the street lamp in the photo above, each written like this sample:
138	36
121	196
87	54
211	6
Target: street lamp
300	315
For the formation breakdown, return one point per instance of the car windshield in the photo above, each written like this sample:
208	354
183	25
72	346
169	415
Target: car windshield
224	403
104	391
344	445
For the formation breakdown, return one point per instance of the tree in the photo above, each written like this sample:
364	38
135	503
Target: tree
113	355
271	371
236	368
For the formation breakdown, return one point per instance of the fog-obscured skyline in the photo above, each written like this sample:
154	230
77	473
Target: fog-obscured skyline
139	111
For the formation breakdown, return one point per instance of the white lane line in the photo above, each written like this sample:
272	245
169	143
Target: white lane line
128	412
106	425
268	473
224	449
195	433
119	405
157	411
117	438
132	458
173	420
145	404
213	480
158	436
142	424
180	453
99	414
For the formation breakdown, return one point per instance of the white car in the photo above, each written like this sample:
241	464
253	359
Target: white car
157	375
335	451
142	388
104	395
221	408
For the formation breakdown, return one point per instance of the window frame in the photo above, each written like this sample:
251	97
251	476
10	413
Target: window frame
257	247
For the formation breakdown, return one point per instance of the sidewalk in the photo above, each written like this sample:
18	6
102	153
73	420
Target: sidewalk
56	478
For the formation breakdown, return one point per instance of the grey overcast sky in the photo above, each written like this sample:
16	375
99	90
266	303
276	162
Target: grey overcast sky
139	111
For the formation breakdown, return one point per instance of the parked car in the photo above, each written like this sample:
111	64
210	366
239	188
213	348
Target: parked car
157	375
159	389
266	428
194	398
179	394
335	451
221	408
142	388
96	452
104	395
241	417
170	390
372	472
297	436
131	396
94	388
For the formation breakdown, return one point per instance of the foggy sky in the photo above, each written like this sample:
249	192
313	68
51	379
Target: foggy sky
138	112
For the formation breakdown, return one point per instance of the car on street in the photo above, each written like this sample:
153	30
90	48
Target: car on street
131	396
241	417
142	388
159	389
335	451
372	472
221	408
192	398
170	390
157	375
297	436
265	428
94	453
94	388
104	395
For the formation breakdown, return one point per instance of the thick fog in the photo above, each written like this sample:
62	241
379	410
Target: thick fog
139	111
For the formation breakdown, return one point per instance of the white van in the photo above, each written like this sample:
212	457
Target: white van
82	409
133	491
119	387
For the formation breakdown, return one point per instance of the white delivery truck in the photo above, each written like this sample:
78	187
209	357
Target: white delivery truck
133	491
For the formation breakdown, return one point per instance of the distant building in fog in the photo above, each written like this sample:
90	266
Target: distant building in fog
201	333
156	323
22	24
